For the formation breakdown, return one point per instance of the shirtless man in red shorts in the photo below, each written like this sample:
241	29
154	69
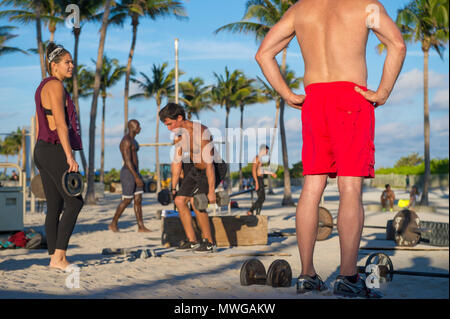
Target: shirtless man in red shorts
338	119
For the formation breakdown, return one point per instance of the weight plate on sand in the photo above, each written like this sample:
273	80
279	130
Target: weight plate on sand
253	273
385	265
325	224
279	274
406	224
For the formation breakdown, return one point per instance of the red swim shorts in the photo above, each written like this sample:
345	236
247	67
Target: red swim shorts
338	127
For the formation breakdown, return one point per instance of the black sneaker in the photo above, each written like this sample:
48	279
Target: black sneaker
344	287
188	245
205	247
306	283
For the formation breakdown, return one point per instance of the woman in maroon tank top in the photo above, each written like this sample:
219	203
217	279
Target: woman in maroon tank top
58	135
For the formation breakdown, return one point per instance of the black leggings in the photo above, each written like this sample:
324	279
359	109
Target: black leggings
51	161
261	196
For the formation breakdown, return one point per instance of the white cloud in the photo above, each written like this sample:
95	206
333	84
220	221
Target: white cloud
440	100
410	83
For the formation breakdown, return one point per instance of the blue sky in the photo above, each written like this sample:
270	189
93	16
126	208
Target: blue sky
399	123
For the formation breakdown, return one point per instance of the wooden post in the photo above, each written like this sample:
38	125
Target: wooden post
176	71
32	166
24	151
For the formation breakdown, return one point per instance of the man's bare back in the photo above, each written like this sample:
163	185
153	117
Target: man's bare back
332	35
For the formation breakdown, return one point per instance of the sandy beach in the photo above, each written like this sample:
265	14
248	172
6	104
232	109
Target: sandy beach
25	273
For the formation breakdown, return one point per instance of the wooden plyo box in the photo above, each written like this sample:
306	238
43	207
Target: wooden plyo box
226	230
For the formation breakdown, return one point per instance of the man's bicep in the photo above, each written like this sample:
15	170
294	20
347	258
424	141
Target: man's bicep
279	35
382	24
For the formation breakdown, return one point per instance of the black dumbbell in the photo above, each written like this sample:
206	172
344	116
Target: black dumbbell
254	273
201	200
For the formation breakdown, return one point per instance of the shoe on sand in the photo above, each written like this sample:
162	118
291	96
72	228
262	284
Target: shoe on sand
306	283
346	288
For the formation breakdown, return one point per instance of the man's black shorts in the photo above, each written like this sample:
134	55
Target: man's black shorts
195	180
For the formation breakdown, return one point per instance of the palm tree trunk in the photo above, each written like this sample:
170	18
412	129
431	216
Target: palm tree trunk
270	190
102	156
158	174
90	195
4	170
227	148
134	23
52	30
39	38
287	199
76	32
426	127
241	148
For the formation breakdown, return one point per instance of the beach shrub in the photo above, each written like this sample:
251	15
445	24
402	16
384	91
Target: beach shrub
112	176
437	166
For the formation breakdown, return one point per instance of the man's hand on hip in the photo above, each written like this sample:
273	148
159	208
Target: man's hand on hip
376	98
295	101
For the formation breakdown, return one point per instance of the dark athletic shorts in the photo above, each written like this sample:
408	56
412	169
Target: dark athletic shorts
129	188
338	126
195	180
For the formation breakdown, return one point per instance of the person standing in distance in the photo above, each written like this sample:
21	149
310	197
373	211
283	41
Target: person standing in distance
131	180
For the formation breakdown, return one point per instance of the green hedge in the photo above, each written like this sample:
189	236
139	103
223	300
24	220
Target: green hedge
437	166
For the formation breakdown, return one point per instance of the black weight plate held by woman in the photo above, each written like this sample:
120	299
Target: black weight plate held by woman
325	224
385	265
72	183
279	274
406	224
253	273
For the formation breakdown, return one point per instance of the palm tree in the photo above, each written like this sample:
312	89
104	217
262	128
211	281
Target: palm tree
270	94
87	12
90	194
135	9
85	81
112	72
159	86
259	17
248	94
5	35
11	145
426	22
195	96
225	93
37	11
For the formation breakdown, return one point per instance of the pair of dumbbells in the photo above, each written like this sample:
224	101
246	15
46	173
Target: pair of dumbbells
201	201
279	273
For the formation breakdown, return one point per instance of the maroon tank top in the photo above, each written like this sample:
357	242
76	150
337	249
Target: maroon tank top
49	136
